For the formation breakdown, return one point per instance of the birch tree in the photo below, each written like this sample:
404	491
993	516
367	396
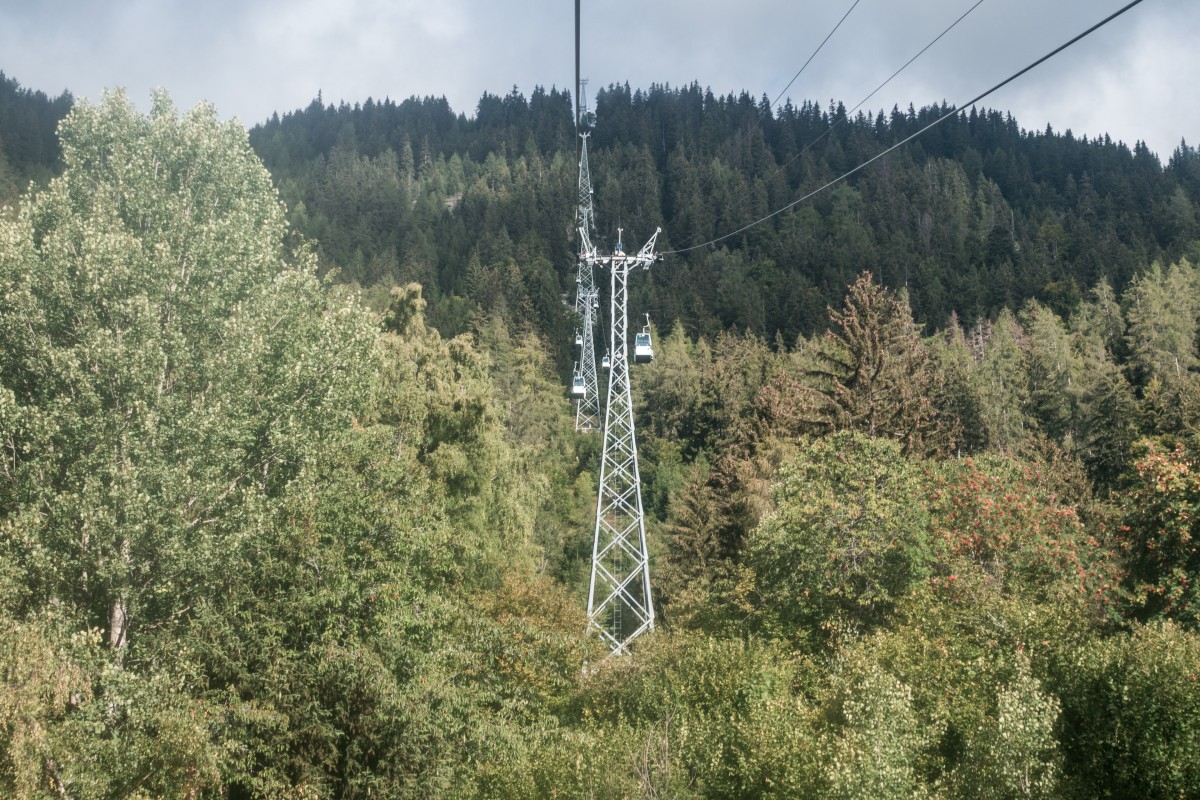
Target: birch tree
168	370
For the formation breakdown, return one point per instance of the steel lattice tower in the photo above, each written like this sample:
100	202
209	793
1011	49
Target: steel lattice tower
584	219
619	603
587	409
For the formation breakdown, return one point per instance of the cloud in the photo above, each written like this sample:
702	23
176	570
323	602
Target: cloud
253	57
1134	92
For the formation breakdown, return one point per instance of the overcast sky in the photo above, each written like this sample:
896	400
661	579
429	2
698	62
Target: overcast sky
1135	79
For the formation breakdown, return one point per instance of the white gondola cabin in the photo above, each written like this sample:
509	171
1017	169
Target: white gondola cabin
578	339
577	390
643	351
606	362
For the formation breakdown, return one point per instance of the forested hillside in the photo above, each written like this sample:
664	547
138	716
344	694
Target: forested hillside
291	503
974	216
28	147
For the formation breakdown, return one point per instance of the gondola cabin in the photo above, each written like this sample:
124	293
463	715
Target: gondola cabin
643	353
577	390
578	339
606	362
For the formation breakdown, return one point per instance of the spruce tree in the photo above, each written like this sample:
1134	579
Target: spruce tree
874	374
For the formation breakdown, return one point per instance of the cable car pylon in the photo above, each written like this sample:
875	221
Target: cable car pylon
620	606
587	407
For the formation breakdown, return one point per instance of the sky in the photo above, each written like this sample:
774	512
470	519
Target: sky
1135	79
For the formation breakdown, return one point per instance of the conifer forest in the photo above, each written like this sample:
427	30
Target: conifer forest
292	502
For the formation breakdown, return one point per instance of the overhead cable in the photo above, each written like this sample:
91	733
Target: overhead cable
814	53
949	113
863	102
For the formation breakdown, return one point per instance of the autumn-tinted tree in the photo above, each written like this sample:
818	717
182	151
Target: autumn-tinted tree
1161	535
875	375
1001	519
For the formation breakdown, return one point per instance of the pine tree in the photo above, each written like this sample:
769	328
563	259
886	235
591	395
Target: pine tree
1053	370
1163	310
1002	385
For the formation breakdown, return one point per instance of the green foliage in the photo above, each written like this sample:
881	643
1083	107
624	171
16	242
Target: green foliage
958	657
1053	369
171	378
251	545
46	674
873	744
980	216
1109	418
1016	754
1004	385
532	633
707	717
438	396
850	537
705	395
29	150
1162	308
1161	535
959	402
263	518
1131	715
1001	558
157	345
709	462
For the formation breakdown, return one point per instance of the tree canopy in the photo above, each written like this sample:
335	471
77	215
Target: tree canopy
291	502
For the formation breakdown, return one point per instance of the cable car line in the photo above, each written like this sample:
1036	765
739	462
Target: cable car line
949	113
707	183
814	53
908	63
863	102
860	104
